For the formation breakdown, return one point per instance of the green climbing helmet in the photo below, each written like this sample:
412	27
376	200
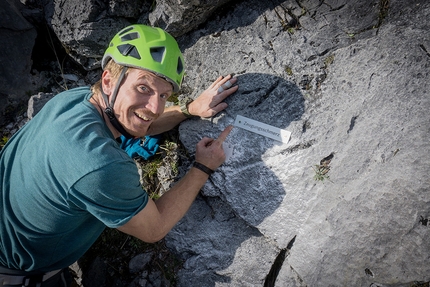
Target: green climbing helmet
148	48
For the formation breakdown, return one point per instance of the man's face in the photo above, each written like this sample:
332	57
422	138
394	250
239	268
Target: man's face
141	100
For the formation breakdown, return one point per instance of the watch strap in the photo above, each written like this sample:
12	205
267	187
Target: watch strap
184	108
203	168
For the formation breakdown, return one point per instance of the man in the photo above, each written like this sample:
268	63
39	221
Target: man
64	177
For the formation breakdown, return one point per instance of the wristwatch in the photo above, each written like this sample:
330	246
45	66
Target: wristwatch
184	108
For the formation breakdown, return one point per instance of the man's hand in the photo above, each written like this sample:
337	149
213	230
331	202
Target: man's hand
210	152
153	222
210	102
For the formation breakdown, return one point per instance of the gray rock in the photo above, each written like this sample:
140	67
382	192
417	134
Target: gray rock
70	77
157	278
350	81
219	247
180	17
36	103
128	9
86	27
18	37
348	84
139	262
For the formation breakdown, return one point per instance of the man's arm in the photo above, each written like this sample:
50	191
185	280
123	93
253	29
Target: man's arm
158	218
171	117
208	104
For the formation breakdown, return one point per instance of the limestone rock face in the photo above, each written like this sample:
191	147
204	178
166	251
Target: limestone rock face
85	27
346	202
179	17
348	197
17	37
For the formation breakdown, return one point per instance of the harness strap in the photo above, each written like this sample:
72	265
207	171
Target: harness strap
26	280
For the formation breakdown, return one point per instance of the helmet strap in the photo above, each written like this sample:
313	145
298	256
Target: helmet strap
109	106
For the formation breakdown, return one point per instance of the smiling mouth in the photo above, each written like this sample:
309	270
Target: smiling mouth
143	117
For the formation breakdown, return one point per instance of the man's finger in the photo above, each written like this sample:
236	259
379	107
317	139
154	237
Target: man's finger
226	92
218	108
216	82
206	141
224	134
229	81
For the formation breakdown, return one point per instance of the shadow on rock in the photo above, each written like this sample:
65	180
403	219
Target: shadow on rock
215	25
220	237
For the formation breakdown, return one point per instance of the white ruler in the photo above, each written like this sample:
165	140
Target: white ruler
262	129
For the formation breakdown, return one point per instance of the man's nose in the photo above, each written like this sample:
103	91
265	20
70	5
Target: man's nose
154	103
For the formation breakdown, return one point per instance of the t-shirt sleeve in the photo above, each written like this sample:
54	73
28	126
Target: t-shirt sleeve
112	194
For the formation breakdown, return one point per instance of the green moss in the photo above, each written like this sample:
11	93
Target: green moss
288	70
328	61
3	141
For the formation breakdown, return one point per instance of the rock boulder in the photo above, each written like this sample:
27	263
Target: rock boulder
17	36
179	17
347	199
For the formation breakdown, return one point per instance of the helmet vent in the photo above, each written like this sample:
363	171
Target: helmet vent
129	50
157	53
125	30
180	67
129	37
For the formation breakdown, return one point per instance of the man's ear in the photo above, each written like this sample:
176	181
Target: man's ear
107	82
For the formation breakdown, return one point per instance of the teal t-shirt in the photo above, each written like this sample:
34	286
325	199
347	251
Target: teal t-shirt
63	179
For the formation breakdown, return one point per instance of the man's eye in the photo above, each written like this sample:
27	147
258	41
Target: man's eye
164	96
143	88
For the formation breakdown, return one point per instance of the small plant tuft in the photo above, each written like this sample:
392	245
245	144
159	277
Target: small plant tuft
322	169
288	70
3	141
328	61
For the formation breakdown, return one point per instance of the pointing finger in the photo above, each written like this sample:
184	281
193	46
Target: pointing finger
224	134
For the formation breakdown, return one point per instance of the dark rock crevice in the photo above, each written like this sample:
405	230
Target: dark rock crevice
277	264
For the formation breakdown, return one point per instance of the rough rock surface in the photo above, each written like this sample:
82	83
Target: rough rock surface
350	81
346	202
17	37
179	17
85	27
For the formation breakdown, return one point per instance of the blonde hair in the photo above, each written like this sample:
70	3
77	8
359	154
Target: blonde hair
114	69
